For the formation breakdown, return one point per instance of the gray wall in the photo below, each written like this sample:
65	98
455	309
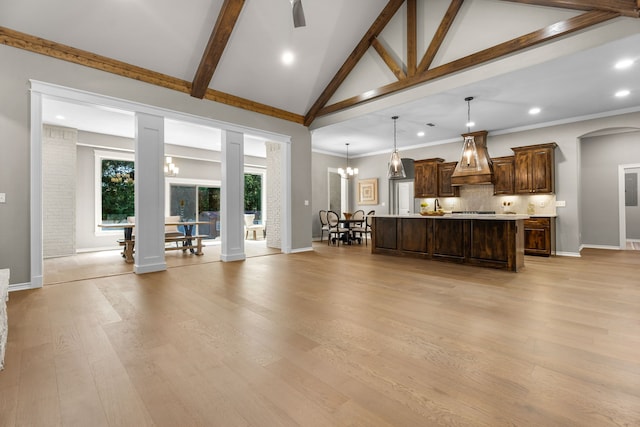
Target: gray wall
600	158
19	66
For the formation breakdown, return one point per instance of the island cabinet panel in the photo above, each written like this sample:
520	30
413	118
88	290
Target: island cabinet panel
482	242
385	233
449	239
415	234
489	241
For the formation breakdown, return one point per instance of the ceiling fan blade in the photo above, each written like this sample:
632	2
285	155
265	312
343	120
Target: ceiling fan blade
298	14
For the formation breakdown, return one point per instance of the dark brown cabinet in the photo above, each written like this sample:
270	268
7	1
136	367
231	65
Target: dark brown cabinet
445	189
481	242
503	175
426	178
534	168
539	236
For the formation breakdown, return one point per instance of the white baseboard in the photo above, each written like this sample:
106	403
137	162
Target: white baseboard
232	258
608	247
571	254
22	287
298	250
633	240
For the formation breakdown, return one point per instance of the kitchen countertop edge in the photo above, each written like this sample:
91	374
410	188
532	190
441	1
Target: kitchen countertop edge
508	217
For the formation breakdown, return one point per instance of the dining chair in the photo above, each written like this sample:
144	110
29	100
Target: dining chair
249	226
365	228
333	220
357	227
324	226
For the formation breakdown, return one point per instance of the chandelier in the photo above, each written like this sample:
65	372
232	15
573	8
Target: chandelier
169	168
349	171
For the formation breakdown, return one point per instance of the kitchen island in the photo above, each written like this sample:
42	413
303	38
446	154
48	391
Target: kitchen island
495	241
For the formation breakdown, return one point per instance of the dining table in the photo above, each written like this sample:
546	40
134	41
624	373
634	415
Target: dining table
348	224
128	241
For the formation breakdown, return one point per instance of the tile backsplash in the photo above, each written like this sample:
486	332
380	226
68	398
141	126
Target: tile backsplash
481	198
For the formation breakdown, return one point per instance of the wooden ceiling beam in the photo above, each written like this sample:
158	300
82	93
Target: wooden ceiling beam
629	8
441	33
526	41
412	36
361	48
395	68
227	18
81	57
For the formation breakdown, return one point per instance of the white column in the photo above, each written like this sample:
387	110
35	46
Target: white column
149	189
232	197
37	261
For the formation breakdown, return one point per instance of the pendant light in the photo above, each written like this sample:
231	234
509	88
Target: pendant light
469	150
348	172
396	169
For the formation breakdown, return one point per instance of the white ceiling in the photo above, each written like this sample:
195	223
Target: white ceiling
170	37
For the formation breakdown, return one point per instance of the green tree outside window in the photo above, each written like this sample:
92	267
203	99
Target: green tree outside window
118	197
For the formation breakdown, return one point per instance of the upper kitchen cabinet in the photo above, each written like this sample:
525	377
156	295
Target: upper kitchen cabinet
445	189
503	175
534	168
426	178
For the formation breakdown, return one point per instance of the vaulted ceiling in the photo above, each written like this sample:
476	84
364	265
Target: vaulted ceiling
350	56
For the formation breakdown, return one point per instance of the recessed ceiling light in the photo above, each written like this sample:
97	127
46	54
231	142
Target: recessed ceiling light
369	93
471	124
534	110
420	133
60	117
624	63
622	93
288	57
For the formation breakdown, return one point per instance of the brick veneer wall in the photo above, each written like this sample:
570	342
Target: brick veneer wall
274	194
59	190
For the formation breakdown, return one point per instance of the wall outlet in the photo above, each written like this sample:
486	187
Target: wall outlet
542	203
561	203
306	203
3	197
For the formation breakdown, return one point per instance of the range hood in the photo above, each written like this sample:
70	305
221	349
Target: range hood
474	168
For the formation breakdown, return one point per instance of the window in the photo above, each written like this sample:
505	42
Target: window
117	190
253	195
114	187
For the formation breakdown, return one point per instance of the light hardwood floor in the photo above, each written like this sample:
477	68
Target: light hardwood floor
333	337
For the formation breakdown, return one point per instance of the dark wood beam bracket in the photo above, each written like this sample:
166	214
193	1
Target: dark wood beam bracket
388	59
81	57
439	36
526	41
376	28
412	36
227	18
630	8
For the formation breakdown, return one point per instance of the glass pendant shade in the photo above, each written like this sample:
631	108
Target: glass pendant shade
396	168
470	154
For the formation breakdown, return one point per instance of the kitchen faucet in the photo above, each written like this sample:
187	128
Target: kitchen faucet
436	205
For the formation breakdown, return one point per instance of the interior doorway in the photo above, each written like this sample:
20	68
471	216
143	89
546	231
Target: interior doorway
629	206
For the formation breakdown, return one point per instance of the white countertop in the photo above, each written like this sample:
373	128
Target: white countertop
505	217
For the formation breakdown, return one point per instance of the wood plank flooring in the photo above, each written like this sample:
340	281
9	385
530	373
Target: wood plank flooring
333	337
